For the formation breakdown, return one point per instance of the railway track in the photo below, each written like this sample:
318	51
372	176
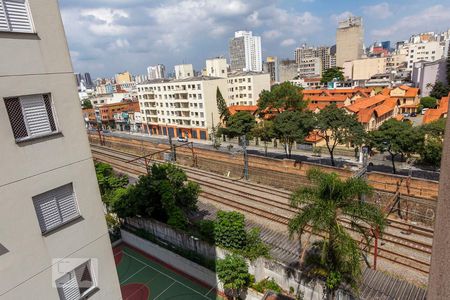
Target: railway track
117	158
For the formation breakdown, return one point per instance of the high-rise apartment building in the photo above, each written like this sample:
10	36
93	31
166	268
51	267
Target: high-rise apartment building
271	67
156	72
426	51
305	54
181	107
245	52
310	67
216	67
288	70
88	80
349	40
123	77
54	243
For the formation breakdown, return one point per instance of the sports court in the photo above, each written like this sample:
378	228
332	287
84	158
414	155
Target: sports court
142	277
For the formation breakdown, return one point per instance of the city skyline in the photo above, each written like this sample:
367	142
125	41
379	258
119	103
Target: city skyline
106	37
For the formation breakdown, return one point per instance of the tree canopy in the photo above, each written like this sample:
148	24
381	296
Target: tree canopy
86	104
164	194
439	90
282	97
239	124
335	258
233	273
292	126
336	126
396	138
222	107
430	148
332	73
264	131
428	102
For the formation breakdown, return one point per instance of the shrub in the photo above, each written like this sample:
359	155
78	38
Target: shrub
267	284
233	272
205	229
229	230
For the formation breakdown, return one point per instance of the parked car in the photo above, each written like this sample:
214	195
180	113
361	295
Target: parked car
182	139
406	115
424	110
413	114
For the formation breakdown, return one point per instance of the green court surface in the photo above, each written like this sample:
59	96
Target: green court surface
142	278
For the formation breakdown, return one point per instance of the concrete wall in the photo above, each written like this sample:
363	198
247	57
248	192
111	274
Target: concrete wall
36	63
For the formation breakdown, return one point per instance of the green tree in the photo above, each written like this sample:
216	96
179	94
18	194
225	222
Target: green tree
108	181
233	273
282	97
264	131
292	126
86	104
229	230
396	138
332	73
224	112
430	149
336	126
335	258
428	102
439	90
239	124
164	194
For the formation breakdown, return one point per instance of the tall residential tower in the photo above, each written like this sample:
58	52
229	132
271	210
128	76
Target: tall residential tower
245	52
349	40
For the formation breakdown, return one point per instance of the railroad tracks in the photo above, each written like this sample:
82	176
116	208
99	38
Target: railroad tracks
278	209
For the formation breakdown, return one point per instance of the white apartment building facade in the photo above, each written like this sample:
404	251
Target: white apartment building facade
216	67
181	107
425	51
156	72
184	71
310	67
244	87
51	215
245	52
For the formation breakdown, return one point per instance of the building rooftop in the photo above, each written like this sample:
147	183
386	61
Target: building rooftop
188	79
245	73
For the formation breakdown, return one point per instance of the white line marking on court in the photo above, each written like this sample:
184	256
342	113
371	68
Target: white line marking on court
164	290
133	274
211	289
165	275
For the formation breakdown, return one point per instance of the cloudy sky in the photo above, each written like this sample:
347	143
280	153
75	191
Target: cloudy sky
109	36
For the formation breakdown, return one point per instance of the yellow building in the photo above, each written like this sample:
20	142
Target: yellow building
124	77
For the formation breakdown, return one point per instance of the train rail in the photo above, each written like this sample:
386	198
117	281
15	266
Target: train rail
278	200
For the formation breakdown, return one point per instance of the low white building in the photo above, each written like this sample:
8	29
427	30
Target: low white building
244	87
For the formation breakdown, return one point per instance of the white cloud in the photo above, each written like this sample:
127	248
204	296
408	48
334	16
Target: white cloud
271	34
378	11
341	16
423	21
103	21
287	42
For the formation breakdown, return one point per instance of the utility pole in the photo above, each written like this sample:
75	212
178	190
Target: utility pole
244	147
172	147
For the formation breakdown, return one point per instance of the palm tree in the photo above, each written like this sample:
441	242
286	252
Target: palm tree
329	200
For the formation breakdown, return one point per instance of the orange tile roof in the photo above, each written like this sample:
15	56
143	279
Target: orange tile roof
365	114
313	137
437	113
310	92
366	102
236	108
399	117
337	98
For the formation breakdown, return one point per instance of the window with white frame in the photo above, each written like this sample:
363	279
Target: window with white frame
15	16
56	207
31	116
77	283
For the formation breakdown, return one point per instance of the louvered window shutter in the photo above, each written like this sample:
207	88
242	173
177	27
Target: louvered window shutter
35	115
17	15
67	203
56	207
68	287
4	26
14	109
